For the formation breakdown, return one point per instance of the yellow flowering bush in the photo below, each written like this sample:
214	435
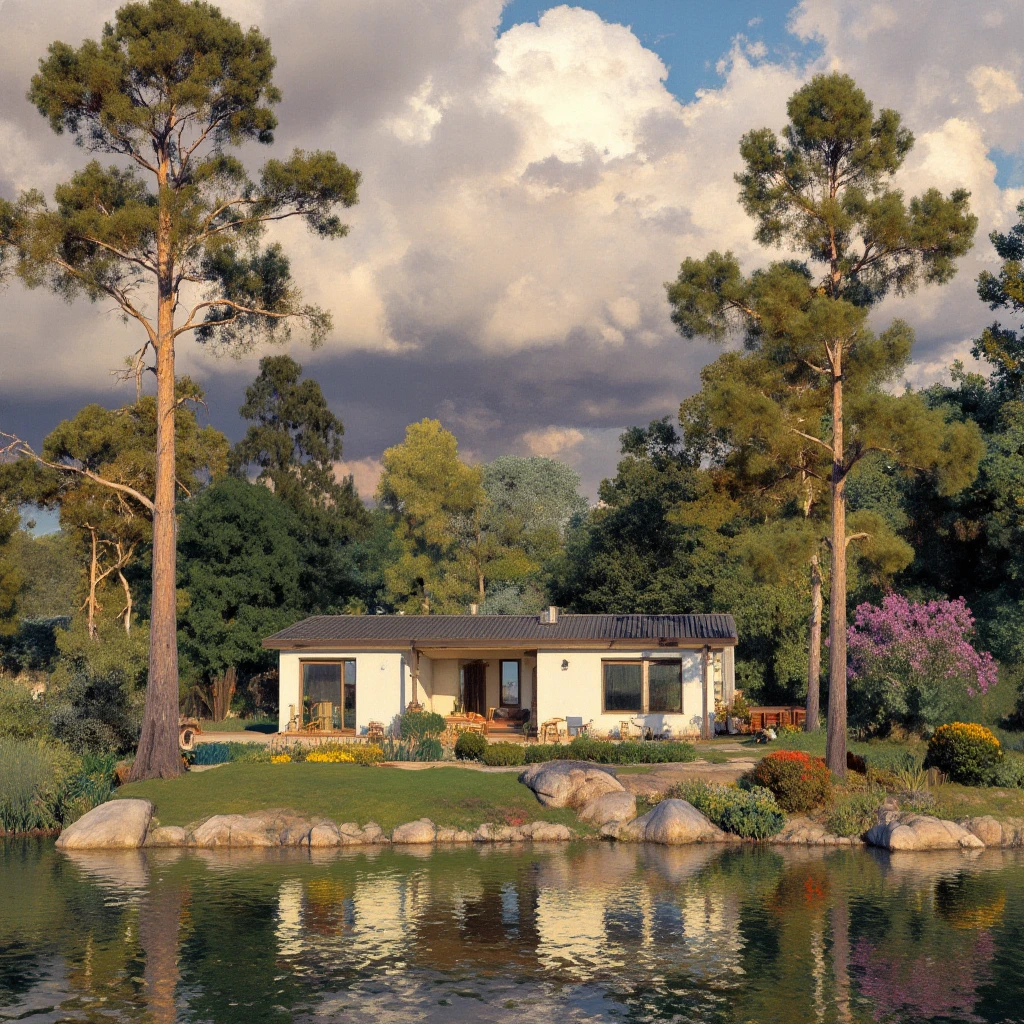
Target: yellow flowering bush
966	752
280	758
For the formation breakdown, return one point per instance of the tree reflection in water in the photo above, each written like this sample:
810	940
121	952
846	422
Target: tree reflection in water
591	931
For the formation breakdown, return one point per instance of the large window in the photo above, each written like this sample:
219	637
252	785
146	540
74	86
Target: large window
510	684
623	686
654	686
329	695
665	688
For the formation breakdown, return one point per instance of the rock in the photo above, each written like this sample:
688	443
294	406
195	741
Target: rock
673	822
454	835
115	825
609	807
988	830
649	786
296	835
569	783
422	831
373	833
905	831
489	833
324	834
167	835
547	832
233	830
801	831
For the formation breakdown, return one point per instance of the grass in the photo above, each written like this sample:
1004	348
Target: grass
814	743
953	802
450	797
241	725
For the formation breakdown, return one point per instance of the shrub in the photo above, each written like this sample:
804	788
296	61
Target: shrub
45	785
470	746
414	725
503	754
967	752
753	813
280	758
211	753
1009	773
21	717
96	712
853	815
583	748
798	781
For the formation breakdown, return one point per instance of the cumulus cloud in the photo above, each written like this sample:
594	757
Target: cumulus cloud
525	196
365	475
552	441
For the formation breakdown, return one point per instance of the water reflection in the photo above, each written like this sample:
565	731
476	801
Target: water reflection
592	931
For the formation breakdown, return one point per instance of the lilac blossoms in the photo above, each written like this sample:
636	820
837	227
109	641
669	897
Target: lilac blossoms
930	640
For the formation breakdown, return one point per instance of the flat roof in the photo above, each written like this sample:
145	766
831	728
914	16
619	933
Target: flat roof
335	631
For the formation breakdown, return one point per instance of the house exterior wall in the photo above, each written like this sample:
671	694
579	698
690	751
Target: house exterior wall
383	685
577	691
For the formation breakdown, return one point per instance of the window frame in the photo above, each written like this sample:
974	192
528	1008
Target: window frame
502	662
643	686
341	663
645	693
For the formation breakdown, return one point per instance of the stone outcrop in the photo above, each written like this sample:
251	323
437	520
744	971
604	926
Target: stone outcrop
996	833
422	831
167	835
905	831
608	807
115	825
671	822
454	835
569	783
234	830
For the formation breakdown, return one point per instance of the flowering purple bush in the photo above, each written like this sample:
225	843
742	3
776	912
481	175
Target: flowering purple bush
913	664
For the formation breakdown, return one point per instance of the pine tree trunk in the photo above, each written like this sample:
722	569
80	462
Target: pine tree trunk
158	756
813	720
835	743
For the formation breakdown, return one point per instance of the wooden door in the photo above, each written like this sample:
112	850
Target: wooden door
475	679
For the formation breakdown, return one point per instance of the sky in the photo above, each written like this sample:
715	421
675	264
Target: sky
532	175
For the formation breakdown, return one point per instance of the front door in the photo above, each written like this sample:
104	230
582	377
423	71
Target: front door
475	679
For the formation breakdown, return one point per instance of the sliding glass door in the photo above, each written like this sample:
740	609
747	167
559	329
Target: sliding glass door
329	695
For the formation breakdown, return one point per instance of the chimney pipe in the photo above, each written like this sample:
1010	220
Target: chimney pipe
474	608
552	614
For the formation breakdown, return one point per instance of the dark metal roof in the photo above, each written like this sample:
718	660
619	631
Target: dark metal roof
404	630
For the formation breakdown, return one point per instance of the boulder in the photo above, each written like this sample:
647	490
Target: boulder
372	833
422	831
489	833
989	831
324	834
672	822
115	825
233	830
569	783
609	807
547	832
454	835
906	831
167	835
296	834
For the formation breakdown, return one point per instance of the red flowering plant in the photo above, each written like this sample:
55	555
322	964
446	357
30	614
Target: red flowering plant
914	664
798	781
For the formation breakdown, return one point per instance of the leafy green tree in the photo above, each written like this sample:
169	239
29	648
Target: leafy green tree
99	469
52	573
168	88
241	574
295	440
12	579
435	501
824	189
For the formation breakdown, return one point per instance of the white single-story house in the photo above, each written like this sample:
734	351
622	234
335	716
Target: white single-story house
663	672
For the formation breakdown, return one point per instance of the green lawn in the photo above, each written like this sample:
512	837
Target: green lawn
450	797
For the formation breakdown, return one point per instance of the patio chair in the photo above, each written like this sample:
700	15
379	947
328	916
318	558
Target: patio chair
577	727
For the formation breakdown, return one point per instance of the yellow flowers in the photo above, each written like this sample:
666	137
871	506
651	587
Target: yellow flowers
280	758
330	757
967	731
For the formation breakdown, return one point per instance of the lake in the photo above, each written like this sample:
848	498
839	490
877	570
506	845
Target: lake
583	932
